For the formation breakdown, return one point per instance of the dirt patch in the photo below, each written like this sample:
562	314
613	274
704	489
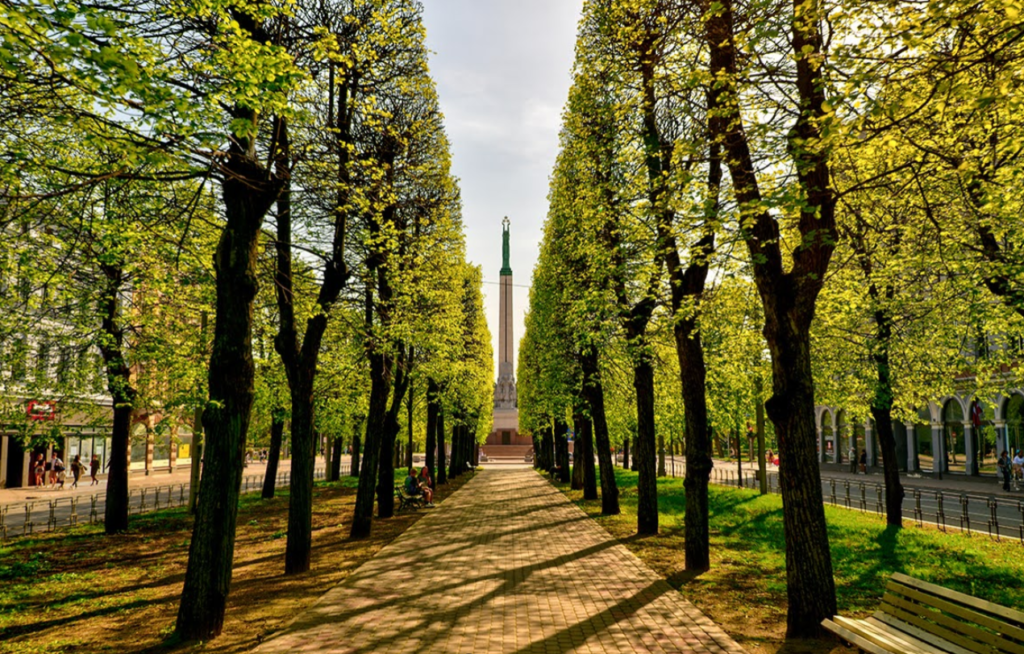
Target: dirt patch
80	591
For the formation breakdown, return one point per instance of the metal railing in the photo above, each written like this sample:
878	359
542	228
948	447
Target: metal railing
990	515
23	518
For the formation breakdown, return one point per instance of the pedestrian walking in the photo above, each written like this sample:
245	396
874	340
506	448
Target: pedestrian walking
864	461
853	459
56	467
77	470
1004	469
94	468
39	469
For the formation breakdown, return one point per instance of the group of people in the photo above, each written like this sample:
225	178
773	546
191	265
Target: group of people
1011	468
53	473
420	485
855	461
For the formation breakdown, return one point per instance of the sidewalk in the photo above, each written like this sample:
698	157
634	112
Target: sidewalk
505	565
138	479
952	483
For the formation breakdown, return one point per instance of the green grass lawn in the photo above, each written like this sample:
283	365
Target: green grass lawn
745	590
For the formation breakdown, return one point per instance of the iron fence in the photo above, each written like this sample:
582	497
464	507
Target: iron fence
971	513
23	518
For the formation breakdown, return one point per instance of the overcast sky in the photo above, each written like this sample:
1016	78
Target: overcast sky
502	69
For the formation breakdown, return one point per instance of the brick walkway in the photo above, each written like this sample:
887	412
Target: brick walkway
506	564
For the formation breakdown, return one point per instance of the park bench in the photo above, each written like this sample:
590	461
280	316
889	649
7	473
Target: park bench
917	617
407	501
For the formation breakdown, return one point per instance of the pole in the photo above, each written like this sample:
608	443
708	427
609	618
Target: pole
759	412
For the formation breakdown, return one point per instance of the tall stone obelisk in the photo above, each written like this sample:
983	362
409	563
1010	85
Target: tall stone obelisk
505	438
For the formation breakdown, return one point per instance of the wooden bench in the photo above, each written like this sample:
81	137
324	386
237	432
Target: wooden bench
917	617
407	501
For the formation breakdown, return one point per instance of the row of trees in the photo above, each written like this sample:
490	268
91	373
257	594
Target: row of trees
762	203
280	167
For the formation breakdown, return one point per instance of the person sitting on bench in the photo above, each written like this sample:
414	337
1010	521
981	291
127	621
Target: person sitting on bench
414	487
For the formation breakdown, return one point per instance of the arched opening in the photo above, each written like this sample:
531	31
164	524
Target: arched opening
860	443
1014	413
953	436
985	455
138	449
923	441
842	436
828	437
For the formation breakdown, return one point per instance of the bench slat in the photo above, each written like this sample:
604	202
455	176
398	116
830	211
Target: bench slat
887	637
915	602
912	613
1014	616
928	643
852	638
920	634
999	626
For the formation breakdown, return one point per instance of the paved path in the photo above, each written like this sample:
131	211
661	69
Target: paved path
506	564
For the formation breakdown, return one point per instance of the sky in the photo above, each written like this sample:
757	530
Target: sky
502	69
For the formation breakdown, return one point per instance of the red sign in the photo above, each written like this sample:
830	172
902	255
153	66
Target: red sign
42	410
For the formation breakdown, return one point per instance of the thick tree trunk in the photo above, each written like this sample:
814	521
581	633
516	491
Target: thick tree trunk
386	470
625	453
362	518
247	197
698	447
305	443
647	483
274	456
810	585
593	390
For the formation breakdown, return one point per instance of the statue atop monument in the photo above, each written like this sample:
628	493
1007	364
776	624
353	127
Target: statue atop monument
506	269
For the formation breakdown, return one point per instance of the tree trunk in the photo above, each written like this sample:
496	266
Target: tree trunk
576	482
697	439
661	456
410	447
454	469
274	456
247	197
593	390
335	473
356	447
585	458
546	451
362	518
625	453
811	587
123	395
562	451
647	483
305	444
634	464
442	475
433	411
881	411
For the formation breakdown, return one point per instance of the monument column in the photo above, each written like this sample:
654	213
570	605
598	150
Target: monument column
505	440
